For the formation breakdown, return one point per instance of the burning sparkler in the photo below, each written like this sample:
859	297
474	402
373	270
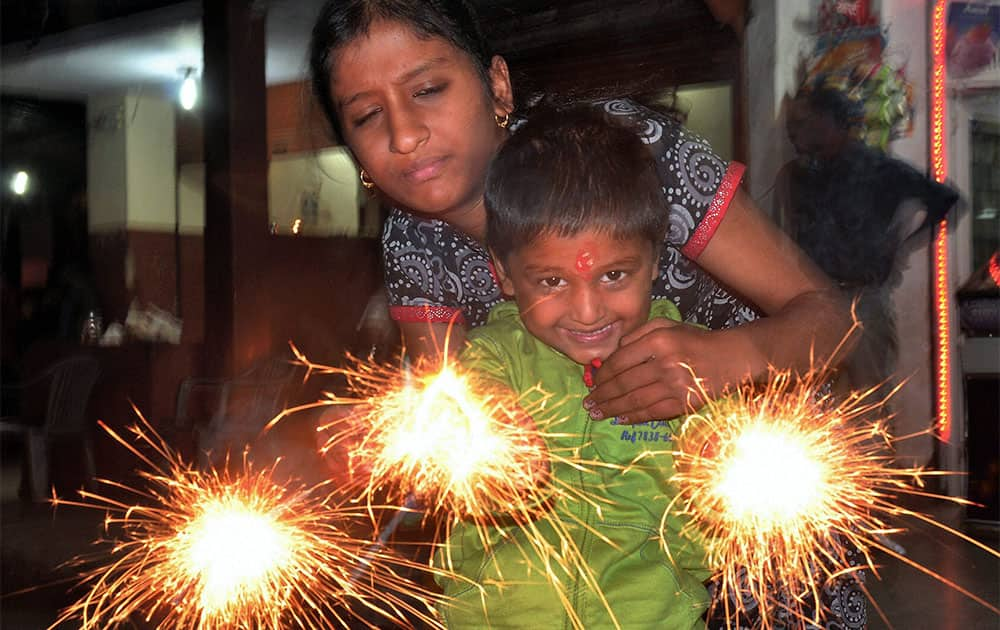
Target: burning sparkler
789	486
220	550
469	452
461	449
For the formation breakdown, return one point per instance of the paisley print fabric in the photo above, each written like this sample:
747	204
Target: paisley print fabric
436	273
843	604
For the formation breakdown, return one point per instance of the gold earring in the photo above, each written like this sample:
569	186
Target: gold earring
502	121
366	180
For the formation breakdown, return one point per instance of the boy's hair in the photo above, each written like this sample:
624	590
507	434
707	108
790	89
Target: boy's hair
567	170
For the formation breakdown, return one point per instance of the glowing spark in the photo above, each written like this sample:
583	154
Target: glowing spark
461	450
786	482
234	549
768	457
220	550
470	453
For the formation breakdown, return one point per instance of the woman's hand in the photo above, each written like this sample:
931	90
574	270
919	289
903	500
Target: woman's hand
652	374
428	343
664	369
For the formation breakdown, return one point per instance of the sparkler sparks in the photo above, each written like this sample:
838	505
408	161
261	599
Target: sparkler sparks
791	488
220	550
794	487
461	450
472	455
462	453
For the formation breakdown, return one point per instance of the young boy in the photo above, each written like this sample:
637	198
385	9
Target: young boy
576	219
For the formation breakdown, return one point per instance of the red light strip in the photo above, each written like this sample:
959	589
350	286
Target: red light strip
939	170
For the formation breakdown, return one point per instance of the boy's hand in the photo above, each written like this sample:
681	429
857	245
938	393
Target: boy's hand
648	376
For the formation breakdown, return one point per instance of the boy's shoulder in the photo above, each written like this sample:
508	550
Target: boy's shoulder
664	309
504	350
503	326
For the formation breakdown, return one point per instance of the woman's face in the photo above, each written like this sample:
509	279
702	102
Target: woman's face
418	118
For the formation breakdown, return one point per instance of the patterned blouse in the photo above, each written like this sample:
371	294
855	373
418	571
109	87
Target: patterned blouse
435	273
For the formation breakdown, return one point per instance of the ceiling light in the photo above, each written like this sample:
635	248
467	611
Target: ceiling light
19	183
189	90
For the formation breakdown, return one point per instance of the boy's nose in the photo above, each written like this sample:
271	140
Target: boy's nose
588	308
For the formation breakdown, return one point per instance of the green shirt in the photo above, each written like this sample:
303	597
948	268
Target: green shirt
621	543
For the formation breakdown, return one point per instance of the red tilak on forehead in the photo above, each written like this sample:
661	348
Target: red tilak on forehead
584	261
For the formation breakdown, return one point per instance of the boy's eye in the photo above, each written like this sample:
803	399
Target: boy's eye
614	276
553	282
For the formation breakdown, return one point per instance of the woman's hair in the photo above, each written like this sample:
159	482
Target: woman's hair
342	21
567	170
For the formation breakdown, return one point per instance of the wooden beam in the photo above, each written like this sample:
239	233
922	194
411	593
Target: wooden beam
235	135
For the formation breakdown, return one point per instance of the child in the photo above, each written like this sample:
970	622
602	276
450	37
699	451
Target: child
575	223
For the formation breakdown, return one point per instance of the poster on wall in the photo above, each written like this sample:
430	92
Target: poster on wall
973	40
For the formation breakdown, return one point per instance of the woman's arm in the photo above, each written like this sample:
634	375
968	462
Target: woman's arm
649	376
426	342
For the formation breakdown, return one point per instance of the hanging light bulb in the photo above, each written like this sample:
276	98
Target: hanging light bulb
19	183
189	90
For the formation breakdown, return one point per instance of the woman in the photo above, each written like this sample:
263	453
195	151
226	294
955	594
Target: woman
415	93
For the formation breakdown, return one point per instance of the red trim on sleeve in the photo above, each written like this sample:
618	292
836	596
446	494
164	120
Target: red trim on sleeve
427	313
716	211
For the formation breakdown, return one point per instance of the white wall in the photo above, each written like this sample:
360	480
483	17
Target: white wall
106	164
709	109
191	197
130	162
908	24
328	178
151	154
777	39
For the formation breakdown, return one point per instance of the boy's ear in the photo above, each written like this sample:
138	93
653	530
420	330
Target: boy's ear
506	285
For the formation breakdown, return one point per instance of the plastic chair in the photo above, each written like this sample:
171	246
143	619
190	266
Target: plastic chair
70	382
240	407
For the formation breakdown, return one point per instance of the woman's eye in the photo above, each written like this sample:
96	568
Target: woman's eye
431	89
364	118
614	276
553	282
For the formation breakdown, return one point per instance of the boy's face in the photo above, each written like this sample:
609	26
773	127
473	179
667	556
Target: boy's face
581	294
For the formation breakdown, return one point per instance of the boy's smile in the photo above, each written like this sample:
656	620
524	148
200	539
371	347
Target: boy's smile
581	294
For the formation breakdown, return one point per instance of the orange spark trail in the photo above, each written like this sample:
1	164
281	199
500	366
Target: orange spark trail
469	452
207	550
786	482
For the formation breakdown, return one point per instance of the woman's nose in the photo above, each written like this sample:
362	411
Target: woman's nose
407	131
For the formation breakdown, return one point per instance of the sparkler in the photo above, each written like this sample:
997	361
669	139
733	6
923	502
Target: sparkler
468	451
786	483
791	487
460	448
215	549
